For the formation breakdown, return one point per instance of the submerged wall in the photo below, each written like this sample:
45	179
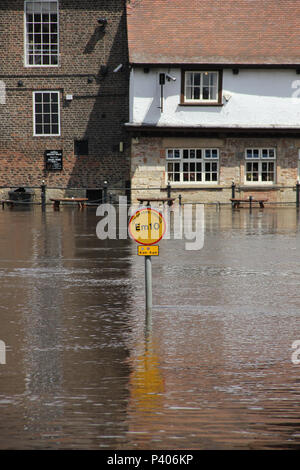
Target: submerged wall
148	168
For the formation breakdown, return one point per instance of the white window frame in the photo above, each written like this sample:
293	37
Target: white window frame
259	156
34	113
201	100
26	55
178	157
298	175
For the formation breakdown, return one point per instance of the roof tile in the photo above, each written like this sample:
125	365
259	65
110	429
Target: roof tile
214	31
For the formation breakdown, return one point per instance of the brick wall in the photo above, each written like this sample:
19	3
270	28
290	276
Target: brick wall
148	165
100	102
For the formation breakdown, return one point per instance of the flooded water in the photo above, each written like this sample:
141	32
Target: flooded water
213	371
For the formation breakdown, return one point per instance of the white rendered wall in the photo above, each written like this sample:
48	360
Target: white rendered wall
259	98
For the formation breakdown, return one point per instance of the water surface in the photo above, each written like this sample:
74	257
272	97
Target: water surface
214	372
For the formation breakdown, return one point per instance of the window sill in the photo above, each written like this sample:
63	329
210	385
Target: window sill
201	104
259	187
184	186
46	135
41	66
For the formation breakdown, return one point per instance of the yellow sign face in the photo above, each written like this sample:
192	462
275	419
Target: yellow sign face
148	250
147	226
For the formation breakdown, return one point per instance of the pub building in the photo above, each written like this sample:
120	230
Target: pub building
214	99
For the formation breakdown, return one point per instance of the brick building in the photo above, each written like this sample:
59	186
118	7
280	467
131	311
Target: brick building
60	91
214	98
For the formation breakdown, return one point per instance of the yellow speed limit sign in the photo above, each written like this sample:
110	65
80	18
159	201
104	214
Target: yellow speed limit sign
147	226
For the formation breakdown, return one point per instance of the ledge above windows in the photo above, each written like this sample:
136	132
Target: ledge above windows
201	87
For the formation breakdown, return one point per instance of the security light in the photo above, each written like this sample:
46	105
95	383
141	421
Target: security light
117	69
227	96
169	77
102	21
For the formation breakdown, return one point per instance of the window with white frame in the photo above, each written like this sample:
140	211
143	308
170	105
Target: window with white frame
41	33
201	87
46	113
192	165
260	165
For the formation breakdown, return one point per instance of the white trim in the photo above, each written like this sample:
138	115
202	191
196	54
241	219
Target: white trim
25	38
33	109
201	100
260	160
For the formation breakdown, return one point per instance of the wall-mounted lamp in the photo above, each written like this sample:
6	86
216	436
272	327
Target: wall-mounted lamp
235	71
119	68
162	82
69	97
20	83
162	78
227	96
102	22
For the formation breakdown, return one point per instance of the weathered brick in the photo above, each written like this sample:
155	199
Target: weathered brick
97	112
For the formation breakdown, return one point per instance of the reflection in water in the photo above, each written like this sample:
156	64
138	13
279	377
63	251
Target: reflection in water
211	369
42	352
146	381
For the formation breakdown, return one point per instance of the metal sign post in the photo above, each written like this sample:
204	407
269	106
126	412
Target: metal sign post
147	227
148	284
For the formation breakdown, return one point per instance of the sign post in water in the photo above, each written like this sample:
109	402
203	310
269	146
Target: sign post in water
147	227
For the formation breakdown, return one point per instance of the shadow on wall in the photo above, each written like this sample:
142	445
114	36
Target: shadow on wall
97	36
106	112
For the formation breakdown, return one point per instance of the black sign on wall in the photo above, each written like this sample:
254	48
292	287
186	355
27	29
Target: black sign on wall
54	160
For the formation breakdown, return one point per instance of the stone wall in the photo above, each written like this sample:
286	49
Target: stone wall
148	162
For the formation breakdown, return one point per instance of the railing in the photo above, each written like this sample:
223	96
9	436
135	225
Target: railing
234	188
107	192
295	188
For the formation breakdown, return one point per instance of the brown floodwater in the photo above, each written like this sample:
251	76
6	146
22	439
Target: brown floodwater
212	371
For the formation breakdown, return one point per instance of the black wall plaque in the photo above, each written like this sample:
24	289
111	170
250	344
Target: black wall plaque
54	160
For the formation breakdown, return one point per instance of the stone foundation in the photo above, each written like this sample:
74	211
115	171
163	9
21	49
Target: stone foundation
148	169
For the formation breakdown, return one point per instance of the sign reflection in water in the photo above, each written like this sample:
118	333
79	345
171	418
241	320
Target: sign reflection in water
215	372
